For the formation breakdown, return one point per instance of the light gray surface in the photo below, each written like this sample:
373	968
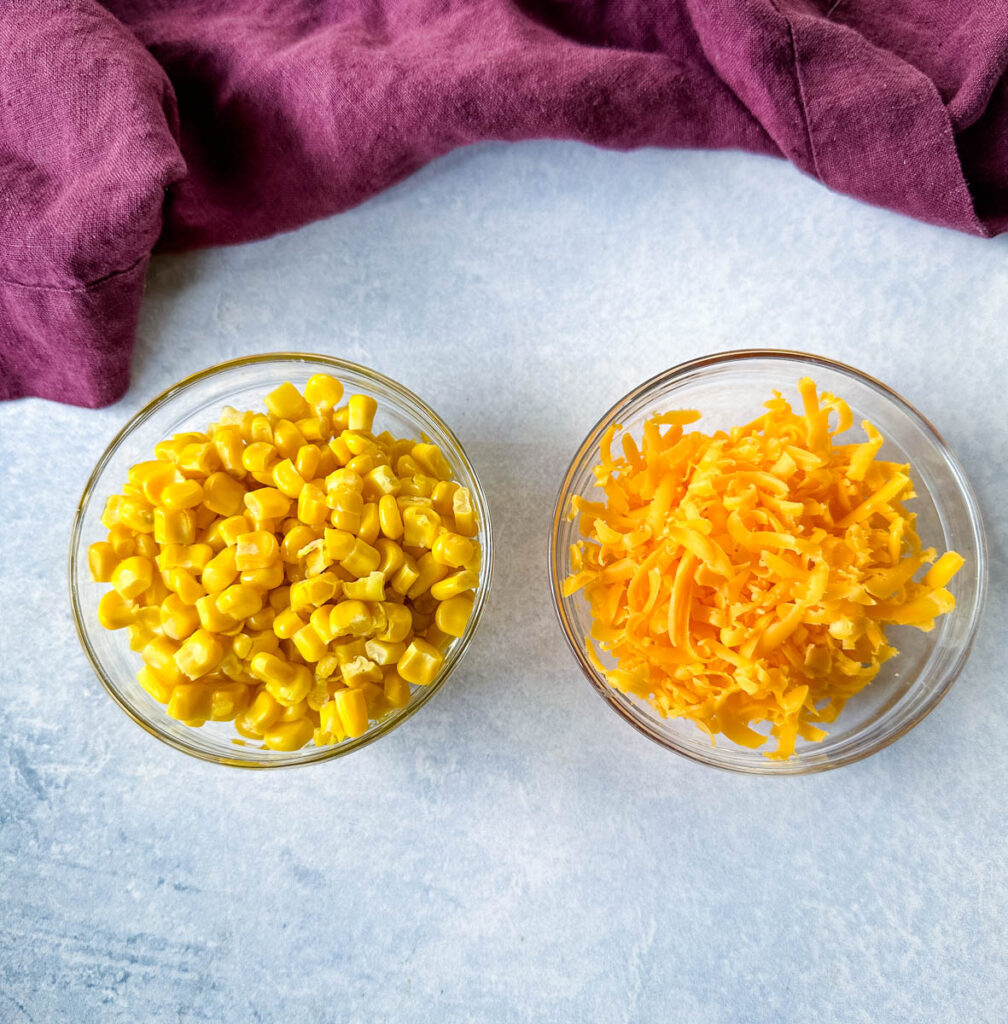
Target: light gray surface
515	852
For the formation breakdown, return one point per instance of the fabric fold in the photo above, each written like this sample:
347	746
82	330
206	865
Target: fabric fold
142	124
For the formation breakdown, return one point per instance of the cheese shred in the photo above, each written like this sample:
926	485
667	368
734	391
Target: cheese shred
745	578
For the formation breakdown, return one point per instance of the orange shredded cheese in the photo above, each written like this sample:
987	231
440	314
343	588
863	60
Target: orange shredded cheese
747	577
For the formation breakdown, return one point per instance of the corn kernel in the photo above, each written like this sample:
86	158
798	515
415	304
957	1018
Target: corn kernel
199	654
137	514
431	460
183	583
248	644
367	588
420	663
348	651
263	579
288	439
191	702
267	503
286	403
223	494
312	509
160	689
429	572
122	541
289	735
361	560
454	585
359	671
262	713
211	617
239	601
174	526
228	444
287	479
351	706
287	623
360	465
384	652
228	701
219	572
392	557
102	559
184	495
321	622
396	689
370	525
465	516
350	618
256	550
452	615
420	527
323	391
315	591
132	576
310	645
347	505
259	457
286	682
452	549
260	429
178	619
262	619
160	656
306	462
399	622
294	712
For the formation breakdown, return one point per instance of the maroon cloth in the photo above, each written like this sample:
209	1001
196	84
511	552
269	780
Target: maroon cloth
200	123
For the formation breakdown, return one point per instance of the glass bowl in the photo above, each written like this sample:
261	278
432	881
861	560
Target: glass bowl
729	389
192	404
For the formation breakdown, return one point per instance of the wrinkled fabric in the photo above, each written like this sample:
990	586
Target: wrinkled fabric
178	124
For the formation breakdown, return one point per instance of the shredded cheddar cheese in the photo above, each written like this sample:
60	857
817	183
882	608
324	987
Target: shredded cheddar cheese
747	577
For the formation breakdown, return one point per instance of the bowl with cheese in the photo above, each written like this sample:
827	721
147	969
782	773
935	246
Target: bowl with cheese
768	562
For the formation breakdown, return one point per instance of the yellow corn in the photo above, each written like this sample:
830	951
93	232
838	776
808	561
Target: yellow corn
359	671
160	656
453	615
392	557
178	619
379	482
347	505
348	651
399	622
287	623
191	702
219	572
420	527
263	579
350	618
199	654
370	524
286	682
223	494
262	713
260	429
267	503
137	514
287	479
286	403
351	706
262	619
396	689
361	465
442	495
122	540
361	411
228	444
314	591
228	701
321	622
174	526
102	559
183	583
178	497
239	601
160	689
330	724
454	585
420	663
367	588
431	460
429	572
323	391
384	652
310	645
289	735
362	559
256	550
452	549
465	517
288	439
132	576
211	617
306	464
312	509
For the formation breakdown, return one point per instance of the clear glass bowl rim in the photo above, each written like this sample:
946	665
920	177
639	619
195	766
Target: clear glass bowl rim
293	758
794	766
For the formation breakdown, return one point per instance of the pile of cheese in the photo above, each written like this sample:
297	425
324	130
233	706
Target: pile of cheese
747	577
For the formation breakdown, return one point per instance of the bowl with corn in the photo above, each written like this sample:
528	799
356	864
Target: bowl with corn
279	560
768	561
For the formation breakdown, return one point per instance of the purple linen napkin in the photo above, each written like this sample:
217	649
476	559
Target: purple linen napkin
182	124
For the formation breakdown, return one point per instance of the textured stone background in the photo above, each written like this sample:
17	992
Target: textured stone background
515	852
